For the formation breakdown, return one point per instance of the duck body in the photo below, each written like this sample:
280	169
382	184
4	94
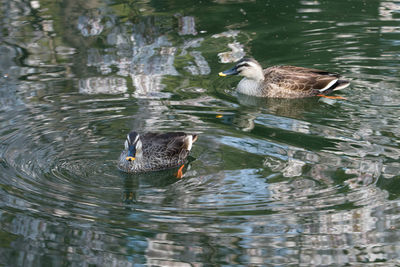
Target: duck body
155	151
284	81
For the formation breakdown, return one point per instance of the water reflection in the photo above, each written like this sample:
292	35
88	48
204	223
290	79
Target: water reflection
143	52
272	182
237	50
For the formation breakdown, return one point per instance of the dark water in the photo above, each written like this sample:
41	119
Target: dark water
271	182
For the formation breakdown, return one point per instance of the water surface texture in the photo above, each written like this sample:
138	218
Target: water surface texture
270	182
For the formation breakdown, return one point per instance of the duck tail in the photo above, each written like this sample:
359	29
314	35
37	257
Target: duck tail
334	85
189	140
340	84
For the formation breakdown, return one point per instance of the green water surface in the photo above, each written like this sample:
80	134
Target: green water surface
270	182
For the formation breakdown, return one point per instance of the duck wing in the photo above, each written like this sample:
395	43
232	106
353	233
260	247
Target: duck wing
295	69
304	81
169	146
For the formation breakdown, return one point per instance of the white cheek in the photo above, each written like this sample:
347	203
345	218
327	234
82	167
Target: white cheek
245	73
126	144
139	146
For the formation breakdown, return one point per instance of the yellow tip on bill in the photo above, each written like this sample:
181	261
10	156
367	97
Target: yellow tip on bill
221	74
219	116
130	158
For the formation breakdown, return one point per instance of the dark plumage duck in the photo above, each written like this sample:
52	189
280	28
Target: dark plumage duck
284	81
155	151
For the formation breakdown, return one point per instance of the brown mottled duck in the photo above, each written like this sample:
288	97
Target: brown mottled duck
284	81
155	151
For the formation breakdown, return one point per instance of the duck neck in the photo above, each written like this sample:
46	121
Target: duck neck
252	82
250	87
258	75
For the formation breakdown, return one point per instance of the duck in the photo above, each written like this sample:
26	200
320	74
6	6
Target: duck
155	151
284	81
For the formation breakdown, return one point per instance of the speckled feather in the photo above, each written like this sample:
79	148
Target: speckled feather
285	81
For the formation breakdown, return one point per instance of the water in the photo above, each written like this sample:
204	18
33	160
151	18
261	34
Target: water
270	182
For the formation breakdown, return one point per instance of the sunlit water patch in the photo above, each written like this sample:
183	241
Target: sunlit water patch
301	182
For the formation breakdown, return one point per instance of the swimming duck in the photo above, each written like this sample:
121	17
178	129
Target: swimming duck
155	151
284	81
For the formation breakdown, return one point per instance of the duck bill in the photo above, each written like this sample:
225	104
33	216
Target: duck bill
129	158
131	154
232	71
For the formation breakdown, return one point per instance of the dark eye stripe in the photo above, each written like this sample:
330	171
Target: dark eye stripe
244	65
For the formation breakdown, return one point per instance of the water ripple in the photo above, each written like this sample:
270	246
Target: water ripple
269	181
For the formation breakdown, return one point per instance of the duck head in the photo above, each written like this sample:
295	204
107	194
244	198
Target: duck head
247	67
133	145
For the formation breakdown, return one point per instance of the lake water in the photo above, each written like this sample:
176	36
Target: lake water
270	182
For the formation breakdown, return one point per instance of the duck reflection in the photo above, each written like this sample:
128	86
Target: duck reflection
253	108
136	184
293	108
